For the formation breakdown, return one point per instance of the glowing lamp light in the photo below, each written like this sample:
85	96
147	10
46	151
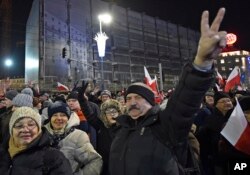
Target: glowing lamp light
8	62
231	38
106	18
101	38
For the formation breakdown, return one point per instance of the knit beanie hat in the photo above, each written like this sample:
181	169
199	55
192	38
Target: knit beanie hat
22	100
142	90
60	98
11	94
24	112
58	107
106	92
245	103
73	95
219	95
27	91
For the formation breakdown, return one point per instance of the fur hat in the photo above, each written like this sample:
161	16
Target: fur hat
111	103
22	100
73	95
58	107
27	91
245	103
11	94
106	92
219	95
24	112
142	90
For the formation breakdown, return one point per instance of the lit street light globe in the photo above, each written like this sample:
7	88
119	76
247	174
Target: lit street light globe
101	38
106	18
8	63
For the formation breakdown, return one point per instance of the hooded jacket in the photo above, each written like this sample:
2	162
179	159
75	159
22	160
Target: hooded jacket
135	149
76	146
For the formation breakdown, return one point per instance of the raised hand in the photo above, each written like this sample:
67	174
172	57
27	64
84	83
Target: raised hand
81	91
212	40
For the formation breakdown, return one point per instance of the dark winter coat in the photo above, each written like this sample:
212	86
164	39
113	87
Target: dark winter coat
135	149
104	135
209	137
37	159
4	126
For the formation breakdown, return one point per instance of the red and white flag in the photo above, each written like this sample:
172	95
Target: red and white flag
61	87
237	130
152	83
233	80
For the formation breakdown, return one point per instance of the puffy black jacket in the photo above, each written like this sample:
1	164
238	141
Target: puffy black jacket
135	149
37	159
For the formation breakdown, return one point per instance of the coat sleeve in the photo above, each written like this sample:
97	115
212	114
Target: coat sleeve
185	101
86	155
91	113
56	163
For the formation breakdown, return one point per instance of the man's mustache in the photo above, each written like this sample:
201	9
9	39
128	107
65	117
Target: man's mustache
133	107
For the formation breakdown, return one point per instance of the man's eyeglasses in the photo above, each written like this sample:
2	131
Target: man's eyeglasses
225	101
29	126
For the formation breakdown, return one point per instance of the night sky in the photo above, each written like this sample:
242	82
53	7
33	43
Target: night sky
184	12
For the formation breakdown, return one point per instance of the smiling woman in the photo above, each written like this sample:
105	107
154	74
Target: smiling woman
29	147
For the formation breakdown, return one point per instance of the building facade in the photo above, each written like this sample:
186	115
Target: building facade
237	58
135	40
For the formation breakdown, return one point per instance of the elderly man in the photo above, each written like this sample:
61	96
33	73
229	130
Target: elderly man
135	149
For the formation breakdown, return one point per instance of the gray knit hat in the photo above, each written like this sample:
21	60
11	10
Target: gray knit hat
106	92
27	91
22	100
24	112
11	94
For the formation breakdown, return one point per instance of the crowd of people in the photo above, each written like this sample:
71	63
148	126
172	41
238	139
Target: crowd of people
89	132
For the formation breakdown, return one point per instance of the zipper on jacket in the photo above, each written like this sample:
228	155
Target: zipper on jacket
142	131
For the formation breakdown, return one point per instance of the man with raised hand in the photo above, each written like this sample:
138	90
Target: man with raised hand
136	149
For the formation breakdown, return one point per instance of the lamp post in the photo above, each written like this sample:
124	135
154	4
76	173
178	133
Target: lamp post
8	63
101	38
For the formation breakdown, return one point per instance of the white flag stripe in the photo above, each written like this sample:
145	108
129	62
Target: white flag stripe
148	76
233	74
235	126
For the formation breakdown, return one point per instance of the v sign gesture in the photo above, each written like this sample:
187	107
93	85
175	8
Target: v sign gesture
212	40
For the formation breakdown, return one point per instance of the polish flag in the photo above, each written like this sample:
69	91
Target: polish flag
61	87
152	83
237	130
233	80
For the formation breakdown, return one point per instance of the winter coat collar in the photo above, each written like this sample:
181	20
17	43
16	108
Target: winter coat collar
150	117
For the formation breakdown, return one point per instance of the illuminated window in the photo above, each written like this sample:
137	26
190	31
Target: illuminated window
222	61
223	68
237	60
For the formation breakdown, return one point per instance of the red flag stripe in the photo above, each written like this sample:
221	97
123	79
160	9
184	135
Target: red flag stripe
243	144
233	82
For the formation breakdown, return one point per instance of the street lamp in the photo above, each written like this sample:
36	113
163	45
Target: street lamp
8	63
101	38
